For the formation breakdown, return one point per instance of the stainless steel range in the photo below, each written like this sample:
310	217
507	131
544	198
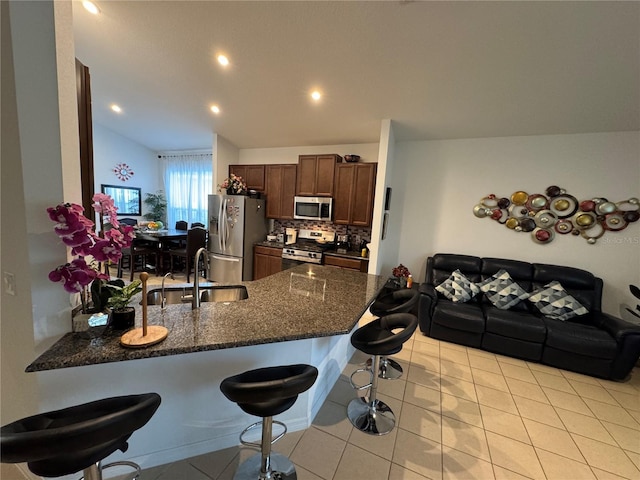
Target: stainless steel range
308	248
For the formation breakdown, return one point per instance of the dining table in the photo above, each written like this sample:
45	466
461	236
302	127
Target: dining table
167	238
162	234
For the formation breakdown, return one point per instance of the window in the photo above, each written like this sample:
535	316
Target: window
188	180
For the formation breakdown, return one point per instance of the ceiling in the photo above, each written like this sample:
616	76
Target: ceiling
439	70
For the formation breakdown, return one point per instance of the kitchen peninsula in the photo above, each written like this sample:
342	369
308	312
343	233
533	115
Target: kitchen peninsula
301	315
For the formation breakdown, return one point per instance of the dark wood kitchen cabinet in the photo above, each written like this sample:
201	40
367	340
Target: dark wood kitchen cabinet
316	174
359	264
280	188
266	261
253	175
354	189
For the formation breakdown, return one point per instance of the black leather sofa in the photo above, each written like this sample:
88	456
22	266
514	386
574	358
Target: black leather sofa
594	344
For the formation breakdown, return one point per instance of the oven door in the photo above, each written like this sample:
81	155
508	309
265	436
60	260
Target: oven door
287	263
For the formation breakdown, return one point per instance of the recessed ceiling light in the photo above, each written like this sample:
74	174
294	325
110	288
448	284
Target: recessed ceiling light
316	95
223	60
116	108
91	7
215	109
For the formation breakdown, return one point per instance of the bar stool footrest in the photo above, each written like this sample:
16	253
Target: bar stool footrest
259	424
122	463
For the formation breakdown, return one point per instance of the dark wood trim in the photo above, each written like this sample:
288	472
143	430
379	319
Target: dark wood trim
83	88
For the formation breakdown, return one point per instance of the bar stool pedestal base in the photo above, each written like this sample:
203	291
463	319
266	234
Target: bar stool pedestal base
389	368
281	468
374	418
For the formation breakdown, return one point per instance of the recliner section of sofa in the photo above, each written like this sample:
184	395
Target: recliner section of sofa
595	344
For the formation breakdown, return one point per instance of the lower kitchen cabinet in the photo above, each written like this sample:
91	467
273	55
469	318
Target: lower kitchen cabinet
266	261
359	264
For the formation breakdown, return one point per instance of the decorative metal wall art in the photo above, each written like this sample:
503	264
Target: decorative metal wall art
123	171
558	213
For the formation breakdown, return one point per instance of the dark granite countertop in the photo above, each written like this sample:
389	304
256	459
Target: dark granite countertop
266	243
307	301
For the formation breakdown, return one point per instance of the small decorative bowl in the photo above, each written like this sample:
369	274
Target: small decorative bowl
351	158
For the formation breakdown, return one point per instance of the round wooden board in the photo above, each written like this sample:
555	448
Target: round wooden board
135	339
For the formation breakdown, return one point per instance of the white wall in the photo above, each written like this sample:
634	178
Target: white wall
111	148
368	153
443	181
32	159
384	253
225	154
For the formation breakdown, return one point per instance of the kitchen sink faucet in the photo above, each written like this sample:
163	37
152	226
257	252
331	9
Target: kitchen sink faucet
195	301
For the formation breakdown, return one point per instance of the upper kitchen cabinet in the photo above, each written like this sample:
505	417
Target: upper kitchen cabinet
354	190
253	175
280	183
316	174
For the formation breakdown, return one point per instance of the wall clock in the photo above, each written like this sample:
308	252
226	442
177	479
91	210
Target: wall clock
123	171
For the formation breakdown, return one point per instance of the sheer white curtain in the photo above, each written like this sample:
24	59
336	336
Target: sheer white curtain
188	180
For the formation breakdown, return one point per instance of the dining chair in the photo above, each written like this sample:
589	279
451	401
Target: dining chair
196	239
197	224
139	250
182	225
128	221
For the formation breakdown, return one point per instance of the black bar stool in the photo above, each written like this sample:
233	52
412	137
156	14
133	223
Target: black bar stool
377	338
266	392
398	301
77	438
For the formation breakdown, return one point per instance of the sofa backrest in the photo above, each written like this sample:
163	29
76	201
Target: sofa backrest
441	265
521	272
582	285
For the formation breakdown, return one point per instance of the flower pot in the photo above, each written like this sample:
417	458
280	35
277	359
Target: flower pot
123	319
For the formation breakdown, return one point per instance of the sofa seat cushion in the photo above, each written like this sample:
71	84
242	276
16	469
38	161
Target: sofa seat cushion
581	339
461	316
515	324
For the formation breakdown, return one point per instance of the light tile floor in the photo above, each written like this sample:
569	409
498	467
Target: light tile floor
461	413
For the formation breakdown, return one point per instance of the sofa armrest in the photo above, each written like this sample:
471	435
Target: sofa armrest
617	327
426	305
627	336
428	289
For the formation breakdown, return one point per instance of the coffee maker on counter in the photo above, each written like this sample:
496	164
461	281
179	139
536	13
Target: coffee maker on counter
343	243
291	236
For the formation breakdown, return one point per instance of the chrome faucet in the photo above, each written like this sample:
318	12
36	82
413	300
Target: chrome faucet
195	301
164	299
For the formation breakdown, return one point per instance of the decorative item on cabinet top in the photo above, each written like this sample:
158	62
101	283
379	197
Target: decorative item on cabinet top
557	212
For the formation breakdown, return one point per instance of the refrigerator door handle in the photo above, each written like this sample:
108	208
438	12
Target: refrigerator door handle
225	259
220	226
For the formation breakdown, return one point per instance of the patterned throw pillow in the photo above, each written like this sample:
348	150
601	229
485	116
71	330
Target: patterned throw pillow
553	301
458	288
502	290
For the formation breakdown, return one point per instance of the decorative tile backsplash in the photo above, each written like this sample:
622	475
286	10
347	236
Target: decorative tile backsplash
357	233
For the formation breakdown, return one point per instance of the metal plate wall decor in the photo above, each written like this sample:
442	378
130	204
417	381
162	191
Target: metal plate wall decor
555	211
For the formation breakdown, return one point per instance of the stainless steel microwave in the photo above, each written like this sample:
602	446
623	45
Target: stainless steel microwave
312	208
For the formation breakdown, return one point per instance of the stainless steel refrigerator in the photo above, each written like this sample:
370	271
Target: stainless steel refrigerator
236	223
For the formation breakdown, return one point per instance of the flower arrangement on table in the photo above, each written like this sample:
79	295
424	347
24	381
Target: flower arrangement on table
401	273
76	231
233	185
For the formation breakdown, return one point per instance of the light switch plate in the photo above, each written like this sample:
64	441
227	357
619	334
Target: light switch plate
9	280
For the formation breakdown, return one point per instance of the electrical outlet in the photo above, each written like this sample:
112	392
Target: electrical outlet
9	283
